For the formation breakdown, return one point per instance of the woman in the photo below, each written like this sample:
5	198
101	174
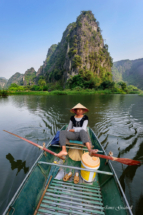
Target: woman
77	130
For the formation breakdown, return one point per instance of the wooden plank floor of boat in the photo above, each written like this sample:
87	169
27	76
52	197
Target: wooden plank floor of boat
69	198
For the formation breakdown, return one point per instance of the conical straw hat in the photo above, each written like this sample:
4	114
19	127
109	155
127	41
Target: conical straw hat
79	106
75	154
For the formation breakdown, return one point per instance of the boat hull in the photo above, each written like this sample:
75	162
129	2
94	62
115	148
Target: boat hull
28	195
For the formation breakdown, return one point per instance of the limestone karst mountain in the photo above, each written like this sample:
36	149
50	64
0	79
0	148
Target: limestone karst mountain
81	51
81	48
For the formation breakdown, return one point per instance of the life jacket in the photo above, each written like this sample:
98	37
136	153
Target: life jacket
78	123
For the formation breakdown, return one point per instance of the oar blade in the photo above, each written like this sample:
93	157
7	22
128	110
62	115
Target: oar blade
129	161
126	161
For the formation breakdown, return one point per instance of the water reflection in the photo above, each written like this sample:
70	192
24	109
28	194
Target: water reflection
128	148
130	171
139	206
117	120
19	165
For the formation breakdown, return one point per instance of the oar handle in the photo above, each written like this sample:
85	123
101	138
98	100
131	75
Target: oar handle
35	144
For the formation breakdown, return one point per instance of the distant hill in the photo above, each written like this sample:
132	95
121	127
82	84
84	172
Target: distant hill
3	78
17	78
3	82
130	71
23	79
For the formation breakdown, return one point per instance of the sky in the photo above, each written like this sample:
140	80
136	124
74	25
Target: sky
29	27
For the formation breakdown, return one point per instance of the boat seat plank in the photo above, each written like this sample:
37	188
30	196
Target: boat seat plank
77	188
73	202
69	206
71	194
75	191
78	185
49	213
76	141
71	209
69	198
74	198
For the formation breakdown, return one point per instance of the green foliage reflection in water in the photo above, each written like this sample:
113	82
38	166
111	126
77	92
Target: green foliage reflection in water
3	93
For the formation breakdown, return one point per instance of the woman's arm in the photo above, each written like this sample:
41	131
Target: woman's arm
70	126
84	127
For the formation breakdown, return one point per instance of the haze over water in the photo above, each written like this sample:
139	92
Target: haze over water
117	120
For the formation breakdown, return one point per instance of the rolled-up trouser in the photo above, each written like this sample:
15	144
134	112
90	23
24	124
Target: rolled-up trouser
81	136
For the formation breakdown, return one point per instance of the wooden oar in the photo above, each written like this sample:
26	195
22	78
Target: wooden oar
126	161
35	144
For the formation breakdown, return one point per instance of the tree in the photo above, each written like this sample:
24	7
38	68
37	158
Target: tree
132	88
107	85
13	85
42	83
123	85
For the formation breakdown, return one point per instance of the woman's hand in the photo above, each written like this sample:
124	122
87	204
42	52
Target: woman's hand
93	151
72	130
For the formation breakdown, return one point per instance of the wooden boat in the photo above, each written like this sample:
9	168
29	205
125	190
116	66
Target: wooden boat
103	196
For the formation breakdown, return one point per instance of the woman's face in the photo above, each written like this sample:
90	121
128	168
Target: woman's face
79	111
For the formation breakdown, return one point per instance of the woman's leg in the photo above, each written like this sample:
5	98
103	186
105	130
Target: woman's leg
84	139
64	135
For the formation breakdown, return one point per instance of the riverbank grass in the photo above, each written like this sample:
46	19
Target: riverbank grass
71	92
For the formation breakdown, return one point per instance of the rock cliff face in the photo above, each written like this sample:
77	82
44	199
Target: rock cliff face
16	78
29	76
3	82
81	48
49	54
130	71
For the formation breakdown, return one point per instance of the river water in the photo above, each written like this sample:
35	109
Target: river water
117	120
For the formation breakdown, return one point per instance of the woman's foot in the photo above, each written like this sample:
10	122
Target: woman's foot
61	154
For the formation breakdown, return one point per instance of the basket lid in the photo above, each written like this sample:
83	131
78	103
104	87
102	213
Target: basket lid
89	161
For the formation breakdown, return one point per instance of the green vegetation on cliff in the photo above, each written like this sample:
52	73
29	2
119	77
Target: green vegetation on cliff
129	71
50	52
28	78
